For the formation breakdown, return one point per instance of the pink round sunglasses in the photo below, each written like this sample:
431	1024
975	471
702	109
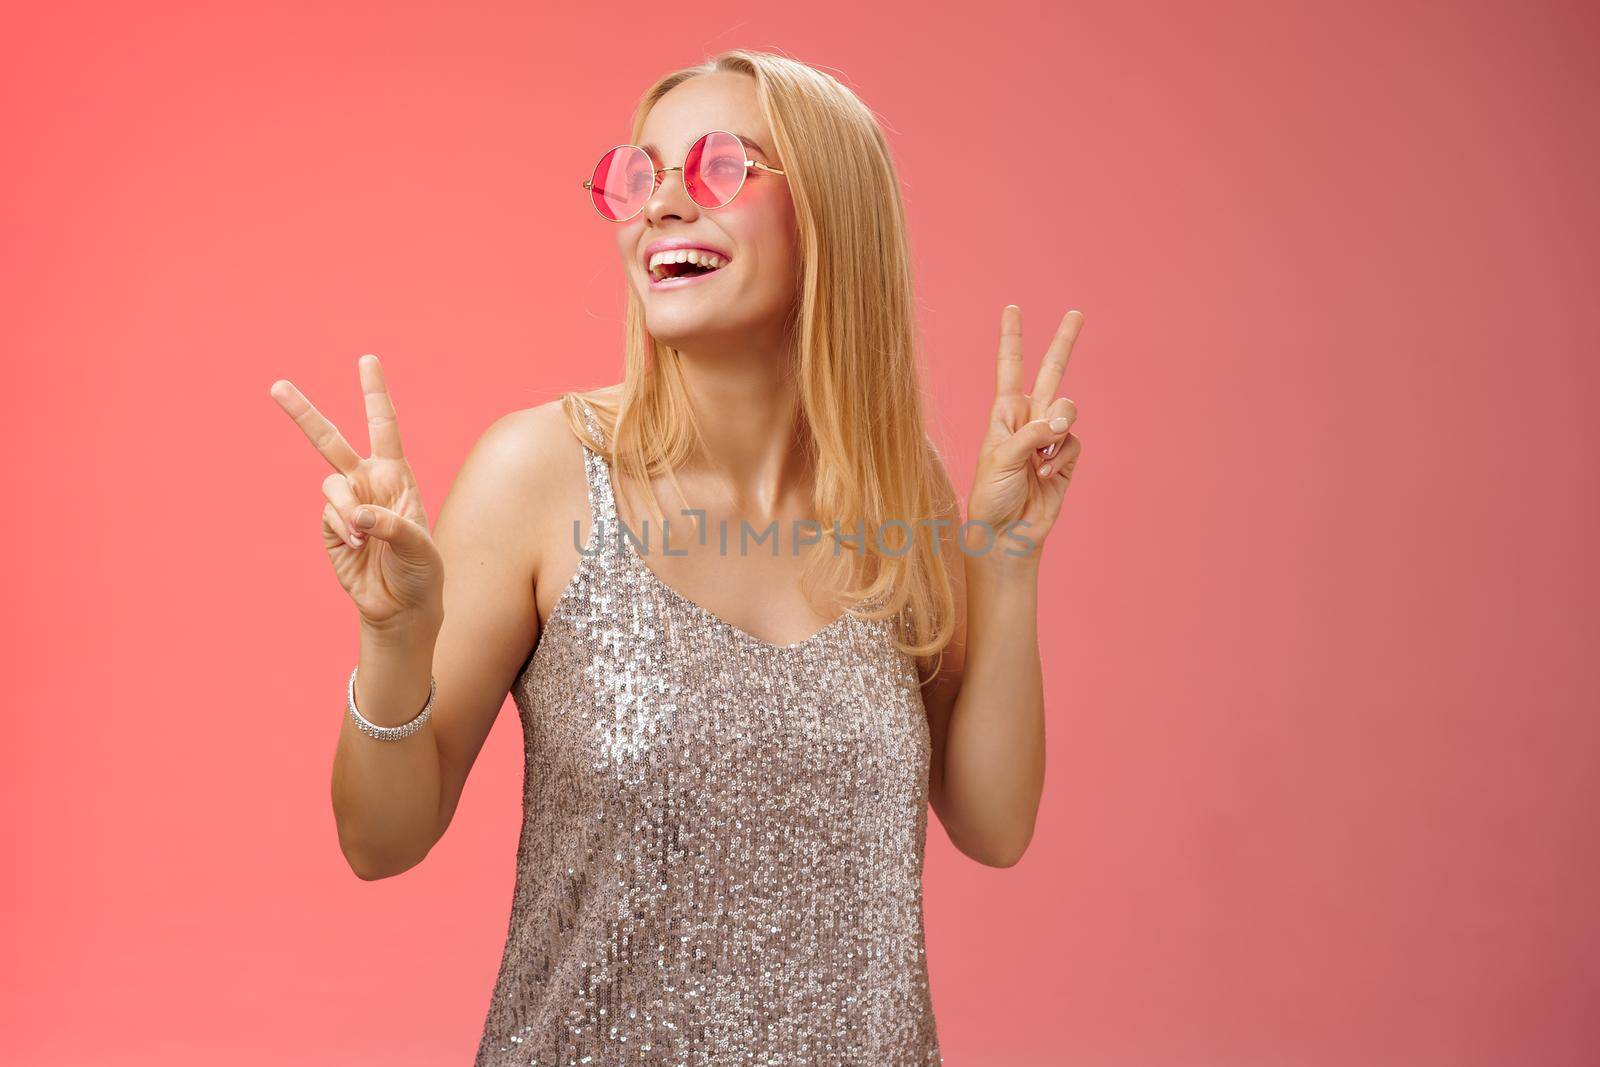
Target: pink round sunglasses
713	173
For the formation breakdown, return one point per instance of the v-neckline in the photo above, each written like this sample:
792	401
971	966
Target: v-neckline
611	512
706	614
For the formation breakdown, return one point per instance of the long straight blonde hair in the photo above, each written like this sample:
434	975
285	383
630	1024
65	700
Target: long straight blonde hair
877	472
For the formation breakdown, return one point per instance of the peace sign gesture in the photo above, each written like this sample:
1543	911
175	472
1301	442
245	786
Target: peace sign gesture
1028	453
391	567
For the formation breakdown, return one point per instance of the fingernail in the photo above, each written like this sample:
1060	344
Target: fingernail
1059	423
364	518
356	540
1044	470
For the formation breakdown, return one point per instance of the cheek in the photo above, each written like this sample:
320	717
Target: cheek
627	238
768	228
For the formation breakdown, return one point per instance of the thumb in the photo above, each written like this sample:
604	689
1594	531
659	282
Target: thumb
1031	436
403	535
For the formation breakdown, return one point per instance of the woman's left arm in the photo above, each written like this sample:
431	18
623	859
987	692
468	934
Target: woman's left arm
986	706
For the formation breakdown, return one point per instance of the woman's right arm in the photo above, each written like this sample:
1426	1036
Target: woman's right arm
393	799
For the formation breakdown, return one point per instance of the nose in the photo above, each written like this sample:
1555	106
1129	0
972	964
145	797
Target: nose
671	199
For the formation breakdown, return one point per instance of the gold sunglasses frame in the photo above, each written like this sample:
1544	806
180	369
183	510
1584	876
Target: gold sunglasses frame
749	164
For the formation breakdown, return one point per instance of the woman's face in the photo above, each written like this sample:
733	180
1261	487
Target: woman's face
746	302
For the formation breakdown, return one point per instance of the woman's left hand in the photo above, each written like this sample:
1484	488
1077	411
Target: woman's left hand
1021	479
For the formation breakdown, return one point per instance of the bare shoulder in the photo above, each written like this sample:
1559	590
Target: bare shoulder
518	464
515	456
530	444
533	458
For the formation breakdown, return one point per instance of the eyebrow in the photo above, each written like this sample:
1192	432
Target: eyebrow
749	143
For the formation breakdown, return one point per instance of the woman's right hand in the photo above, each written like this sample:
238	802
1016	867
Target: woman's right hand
391	569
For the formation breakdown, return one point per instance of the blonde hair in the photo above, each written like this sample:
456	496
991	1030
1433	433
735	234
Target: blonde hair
854	330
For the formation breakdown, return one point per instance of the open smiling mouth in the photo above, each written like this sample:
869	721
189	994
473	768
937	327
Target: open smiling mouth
675	274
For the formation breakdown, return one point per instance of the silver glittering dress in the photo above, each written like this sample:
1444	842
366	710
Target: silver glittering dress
722	839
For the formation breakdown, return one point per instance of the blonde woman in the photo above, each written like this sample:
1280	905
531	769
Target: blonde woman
750	634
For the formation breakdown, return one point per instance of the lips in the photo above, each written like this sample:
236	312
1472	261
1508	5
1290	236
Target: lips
680	280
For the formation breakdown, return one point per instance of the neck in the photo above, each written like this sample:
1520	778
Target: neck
748	409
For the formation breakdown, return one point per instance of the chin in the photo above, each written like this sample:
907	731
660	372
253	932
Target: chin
684	336
680	323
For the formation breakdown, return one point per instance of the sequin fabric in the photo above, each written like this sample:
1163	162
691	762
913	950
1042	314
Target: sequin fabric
721	852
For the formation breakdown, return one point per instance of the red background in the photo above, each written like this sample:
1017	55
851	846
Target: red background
1319	620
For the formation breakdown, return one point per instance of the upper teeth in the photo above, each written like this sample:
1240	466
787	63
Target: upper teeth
700	258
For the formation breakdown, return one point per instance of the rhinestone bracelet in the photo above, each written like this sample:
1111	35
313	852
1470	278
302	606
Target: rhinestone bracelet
389	733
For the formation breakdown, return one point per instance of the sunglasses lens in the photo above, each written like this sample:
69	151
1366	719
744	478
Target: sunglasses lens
714	169
623	180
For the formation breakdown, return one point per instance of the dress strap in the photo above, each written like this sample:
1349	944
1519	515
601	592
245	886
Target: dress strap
595	432
602	501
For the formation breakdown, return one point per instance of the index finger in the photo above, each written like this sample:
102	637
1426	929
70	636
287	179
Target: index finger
322	434
1008	373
